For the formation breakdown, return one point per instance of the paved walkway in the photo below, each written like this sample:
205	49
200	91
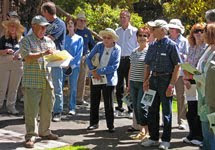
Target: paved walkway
72	131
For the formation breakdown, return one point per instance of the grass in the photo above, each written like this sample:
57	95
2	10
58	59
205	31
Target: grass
70	148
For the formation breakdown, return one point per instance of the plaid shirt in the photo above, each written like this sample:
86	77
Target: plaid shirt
36	74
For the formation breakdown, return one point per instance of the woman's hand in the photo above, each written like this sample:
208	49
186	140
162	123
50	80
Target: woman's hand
146	85
95	75
187	84
8	51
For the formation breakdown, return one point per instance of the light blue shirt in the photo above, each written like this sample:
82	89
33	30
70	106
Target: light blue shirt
74	45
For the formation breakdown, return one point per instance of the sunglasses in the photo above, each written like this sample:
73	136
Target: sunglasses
142	35
198	30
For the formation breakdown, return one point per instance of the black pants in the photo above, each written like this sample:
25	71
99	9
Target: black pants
95	97
122	73
194	121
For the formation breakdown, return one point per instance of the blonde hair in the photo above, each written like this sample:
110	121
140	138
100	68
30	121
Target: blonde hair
16	23
209	34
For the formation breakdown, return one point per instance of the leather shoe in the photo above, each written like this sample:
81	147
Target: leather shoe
93	127
111	130
50	137
29	144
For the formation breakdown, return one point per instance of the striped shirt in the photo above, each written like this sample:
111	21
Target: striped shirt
137	65
36	74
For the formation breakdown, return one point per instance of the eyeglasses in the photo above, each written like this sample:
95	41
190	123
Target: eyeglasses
142	35
82	20
106	37
198	30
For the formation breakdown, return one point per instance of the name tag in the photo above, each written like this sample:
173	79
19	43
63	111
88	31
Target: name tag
163	54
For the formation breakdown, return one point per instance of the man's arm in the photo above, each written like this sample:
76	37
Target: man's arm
170	88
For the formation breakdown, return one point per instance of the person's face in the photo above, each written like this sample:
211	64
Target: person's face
173	32
70	26
142	37
39	30
108	41
198	34
12	28
81	23
156	31
124	19
45	14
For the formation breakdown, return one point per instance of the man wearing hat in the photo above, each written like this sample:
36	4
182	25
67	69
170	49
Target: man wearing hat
88	45
160	74
109	57
37	83
57	32
176	29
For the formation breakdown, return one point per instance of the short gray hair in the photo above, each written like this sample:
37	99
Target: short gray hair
210	15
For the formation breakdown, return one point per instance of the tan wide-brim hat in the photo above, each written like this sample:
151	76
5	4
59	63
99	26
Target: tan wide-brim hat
15	22
111	32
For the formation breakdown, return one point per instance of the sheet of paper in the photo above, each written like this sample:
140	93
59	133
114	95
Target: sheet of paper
103	80
127	99
148	97
189	68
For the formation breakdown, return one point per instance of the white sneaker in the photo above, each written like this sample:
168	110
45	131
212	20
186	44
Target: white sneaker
186	140
129	115
118	113
12	110
148	143
164	145
196	142
72	112
182	127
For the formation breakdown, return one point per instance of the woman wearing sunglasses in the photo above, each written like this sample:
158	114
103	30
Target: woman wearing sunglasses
135	85
196	49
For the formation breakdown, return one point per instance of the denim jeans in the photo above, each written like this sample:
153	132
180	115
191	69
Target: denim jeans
208	137
160	84
141	111
73	79
57	77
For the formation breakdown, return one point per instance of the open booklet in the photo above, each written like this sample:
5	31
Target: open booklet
189	68
148	97
103	80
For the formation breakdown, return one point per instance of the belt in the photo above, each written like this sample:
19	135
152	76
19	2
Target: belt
125	57
156	74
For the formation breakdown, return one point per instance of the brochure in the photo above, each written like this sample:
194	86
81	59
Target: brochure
127	99
148	97
189	68
103	80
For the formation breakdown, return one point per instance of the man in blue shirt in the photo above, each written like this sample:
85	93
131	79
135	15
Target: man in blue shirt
88	45
162	61
176	29
57	32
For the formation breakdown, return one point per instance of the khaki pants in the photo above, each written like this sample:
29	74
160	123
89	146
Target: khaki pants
10	77
181	102
38	101
81	81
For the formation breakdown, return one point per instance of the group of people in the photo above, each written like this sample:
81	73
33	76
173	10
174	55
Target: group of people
147	58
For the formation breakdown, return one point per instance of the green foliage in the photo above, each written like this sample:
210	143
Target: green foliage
103	16
189	11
